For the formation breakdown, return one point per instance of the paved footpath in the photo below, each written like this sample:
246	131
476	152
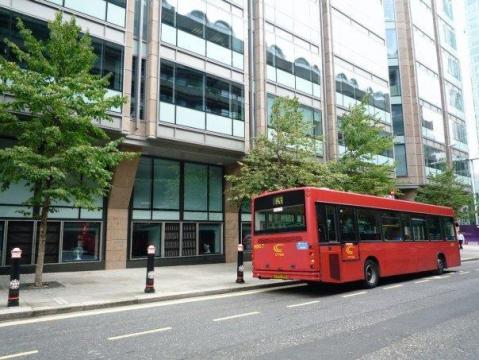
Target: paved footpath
85	290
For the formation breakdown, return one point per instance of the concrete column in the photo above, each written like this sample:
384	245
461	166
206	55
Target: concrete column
151	78
259	71
117	214
409	95
329	84
127	66
231	224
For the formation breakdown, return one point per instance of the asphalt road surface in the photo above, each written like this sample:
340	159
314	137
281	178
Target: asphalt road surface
413	317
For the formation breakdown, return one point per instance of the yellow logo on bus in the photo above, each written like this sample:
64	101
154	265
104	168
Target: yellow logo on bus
258	246
278	250
349	249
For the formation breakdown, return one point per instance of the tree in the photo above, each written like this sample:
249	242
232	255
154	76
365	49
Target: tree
287	158
444	189
364	139
59	152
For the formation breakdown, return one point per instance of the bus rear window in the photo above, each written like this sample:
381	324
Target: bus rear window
280	213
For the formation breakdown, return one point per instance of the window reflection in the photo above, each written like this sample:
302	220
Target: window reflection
213	22
80	241
222	100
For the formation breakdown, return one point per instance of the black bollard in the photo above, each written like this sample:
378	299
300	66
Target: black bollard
150	270
240	271
14	287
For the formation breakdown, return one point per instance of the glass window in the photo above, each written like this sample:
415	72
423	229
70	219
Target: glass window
394	81
96	8
142	87
218	27
418	228
113	64
434	227
368	225
406	227
5	32
398	121
400	159
188	245
116	12
209	239
168	12
196	187
142	190
237	35
246	235
215	188
167	80
237	102
166	184
20	234
52	243
448	226
191	17
391	226
189	85
330	212
217	96
144	235
346	224
389	10
80	241
286	218
391	42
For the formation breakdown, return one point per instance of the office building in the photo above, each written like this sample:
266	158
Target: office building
200	77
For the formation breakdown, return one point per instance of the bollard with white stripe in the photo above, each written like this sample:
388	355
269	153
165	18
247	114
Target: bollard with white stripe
150	270
14	287
240	270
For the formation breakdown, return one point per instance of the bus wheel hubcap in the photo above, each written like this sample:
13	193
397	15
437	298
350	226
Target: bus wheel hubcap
370	275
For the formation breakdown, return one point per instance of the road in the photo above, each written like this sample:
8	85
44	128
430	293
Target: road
413	317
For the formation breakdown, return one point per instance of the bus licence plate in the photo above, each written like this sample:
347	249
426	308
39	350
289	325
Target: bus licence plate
280	276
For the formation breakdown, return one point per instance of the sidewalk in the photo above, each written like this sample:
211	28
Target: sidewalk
86	290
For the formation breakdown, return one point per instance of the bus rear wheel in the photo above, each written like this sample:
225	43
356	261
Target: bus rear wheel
371	274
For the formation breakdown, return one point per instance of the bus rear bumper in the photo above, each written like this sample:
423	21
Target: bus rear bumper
287	275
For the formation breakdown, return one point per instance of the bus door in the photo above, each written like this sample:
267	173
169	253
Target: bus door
347	229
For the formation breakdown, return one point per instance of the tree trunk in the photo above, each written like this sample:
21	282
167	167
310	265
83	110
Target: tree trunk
41	242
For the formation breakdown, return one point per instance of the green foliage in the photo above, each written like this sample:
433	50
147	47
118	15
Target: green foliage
364	139
287	158
59	152
444	189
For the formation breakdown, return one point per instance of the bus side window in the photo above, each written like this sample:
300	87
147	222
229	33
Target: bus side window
448	228
418	228
320	219
434	227
331	223
391	222
368	225
406	226
346	224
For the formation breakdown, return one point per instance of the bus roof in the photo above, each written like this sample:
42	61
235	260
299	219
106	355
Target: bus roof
370	201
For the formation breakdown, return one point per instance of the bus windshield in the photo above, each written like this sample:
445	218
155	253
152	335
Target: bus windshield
280	213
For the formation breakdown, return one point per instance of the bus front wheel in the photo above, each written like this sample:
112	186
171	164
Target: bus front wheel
441	265
371	274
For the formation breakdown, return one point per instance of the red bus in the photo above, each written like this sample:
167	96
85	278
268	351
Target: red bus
318	234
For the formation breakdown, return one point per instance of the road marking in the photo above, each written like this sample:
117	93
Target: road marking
392	287
138	333
12	356
303	304
437	277
60	301
236	316
421	281
464	272
160	303
355	294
